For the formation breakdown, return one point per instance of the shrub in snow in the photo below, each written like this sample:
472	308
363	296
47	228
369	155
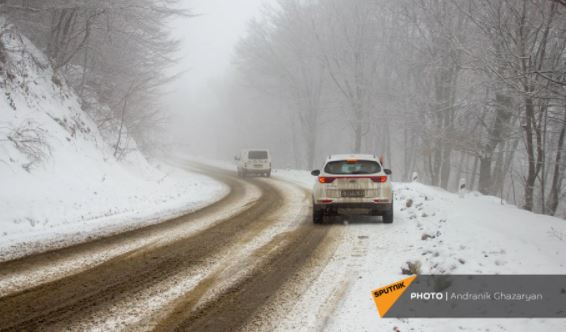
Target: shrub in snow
426	236
411	268
29	139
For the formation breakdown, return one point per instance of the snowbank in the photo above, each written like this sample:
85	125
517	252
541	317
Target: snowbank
59	180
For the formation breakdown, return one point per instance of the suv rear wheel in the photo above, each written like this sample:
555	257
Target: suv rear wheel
388	215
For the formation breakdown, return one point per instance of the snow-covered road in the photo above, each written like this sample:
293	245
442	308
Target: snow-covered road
160	274
254	261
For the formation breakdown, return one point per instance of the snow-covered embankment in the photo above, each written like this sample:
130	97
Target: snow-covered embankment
59	180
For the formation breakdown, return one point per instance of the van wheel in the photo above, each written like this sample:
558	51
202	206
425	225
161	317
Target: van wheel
317	216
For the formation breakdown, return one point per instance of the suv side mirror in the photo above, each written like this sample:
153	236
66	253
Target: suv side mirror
387	171
316	172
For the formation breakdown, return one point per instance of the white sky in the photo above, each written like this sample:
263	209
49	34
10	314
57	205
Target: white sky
208	41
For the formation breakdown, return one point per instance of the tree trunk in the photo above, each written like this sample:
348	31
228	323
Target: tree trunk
556	185
496	136
387	139
498	175
311	145
446	168
472	183
531	173
461	163
484	184
358	133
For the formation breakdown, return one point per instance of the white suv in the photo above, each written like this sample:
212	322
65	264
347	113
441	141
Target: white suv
352	182
254	162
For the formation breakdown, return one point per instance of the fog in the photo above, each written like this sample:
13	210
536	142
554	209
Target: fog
215	111
428	87
206	61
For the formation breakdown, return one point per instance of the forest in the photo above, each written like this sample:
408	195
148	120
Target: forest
450	89
472	89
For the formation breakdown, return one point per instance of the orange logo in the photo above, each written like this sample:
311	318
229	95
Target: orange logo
385	297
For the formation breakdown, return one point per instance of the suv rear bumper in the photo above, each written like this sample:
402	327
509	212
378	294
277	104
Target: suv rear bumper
256	170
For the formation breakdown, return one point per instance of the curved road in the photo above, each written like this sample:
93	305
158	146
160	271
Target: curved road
207	280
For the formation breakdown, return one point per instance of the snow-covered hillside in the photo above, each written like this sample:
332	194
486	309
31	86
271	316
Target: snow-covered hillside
59	179
436	232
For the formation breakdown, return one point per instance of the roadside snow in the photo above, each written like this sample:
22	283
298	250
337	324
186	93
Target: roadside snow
444	234
78	210
301	178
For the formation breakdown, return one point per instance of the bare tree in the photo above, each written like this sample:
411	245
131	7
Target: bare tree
280	62
99	46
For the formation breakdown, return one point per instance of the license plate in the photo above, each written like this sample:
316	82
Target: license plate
353	193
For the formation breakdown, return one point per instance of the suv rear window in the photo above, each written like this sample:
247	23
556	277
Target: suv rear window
352	167
257	155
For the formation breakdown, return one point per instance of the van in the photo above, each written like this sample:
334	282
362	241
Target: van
254	162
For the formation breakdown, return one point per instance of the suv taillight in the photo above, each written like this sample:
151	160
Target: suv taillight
326	179
380	179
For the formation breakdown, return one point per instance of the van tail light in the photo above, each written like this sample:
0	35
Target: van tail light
325	201
379	179
326	179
